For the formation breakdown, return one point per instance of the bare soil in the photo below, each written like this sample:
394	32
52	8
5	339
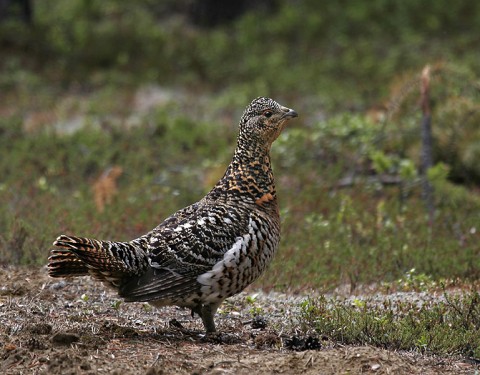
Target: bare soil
50	326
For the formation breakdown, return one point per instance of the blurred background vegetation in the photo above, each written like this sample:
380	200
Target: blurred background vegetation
153	90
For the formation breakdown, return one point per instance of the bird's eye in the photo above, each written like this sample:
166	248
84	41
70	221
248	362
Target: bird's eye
267	114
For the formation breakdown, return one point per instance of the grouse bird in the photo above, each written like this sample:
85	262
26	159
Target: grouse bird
203	253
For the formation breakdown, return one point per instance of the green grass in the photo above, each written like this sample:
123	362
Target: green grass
356	234
448	326
345	54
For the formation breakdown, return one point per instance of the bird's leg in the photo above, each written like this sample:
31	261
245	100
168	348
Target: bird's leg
197	309
207	313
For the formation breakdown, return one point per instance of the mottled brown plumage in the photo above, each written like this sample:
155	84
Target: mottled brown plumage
205	252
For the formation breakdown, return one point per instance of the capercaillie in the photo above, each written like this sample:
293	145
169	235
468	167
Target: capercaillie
203	253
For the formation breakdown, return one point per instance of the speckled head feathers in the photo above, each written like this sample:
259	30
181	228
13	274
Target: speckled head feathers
264	119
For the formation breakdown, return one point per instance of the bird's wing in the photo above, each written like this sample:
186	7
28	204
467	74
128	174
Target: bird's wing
184	247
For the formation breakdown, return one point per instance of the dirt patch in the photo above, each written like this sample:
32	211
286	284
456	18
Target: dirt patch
50	326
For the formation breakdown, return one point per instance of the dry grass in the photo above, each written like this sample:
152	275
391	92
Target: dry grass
105	187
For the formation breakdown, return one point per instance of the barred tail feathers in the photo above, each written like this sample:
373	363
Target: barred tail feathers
63	263
106	260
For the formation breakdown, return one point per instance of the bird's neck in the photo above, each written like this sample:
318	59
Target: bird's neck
249	175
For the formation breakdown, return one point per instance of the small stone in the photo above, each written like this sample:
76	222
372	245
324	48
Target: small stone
375	367
57	286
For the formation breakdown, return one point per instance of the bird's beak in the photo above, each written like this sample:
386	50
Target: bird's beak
290	113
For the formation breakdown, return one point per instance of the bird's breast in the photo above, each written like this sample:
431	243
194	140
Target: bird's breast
244	262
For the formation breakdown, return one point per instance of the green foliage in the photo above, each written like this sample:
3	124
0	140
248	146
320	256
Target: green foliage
344	142
451	326
358	231
346	51
416	282
255	309
343	224
455	110
116	304
456	131
381	162
105	34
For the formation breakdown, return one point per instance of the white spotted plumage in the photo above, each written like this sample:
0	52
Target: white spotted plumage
239	260
205	252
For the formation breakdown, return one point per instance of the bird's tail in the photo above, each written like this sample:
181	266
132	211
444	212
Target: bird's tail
105	260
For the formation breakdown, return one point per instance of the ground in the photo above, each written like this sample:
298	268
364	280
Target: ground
56	326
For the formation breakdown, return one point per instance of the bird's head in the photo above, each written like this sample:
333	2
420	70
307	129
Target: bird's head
263	121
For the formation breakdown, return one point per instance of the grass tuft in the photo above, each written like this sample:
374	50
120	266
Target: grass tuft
450	325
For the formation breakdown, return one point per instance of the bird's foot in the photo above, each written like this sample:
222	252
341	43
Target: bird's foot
222	338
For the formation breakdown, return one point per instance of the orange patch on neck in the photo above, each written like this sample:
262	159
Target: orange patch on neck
264	199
